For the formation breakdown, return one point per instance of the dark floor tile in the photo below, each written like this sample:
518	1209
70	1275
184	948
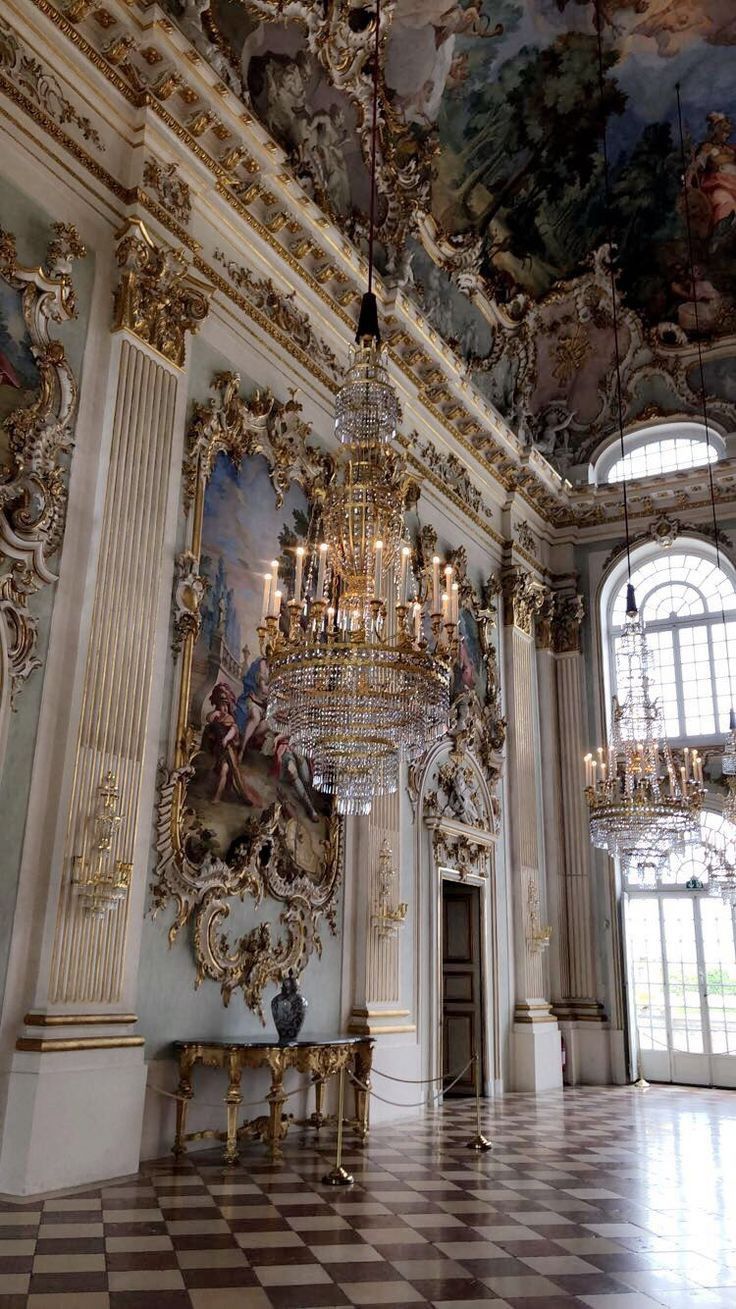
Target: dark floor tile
68	1283
215	1277
307	1297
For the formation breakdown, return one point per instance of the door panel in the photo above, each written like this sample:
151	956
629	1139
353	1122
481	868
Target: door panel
682	969
461	985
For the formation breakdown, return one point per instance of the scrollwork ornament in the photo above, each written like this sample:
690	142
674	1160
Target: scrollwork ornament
158	298
189	591
38	439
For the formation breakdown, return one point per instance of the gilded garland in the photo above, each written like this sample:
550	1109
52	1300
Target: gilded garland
239	819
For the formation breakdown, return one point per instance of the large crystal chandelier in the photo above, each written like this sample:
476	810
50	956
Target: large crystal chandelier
641	805
360	666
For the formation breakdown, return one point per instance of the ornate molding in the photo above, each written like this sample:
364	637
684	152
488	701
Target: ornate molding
41	87
260	424
465	852
203	889
189	591
282	311
38	437
158	298
170	190
559	622
523	599
664	530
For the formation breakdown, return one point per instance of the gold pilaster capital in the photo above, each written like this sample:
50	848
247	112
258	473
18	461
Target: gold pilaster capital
523	599
158	298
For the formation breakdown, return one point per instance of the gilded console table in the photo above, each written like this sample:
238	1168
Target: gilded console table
320	1057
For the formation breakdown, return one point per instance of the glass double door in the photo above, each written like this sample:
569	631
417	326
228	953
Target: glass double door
681	968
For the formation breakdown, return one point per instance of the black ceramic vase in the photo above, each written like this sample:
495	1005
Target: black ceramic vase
288	1009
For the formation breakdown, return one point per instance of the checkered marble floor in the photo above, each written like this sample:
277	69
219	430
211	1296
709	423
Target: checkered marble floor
611	1199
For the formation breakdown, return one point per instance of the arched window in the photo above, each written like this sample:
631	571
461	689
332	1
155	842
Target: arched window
666	448
682	595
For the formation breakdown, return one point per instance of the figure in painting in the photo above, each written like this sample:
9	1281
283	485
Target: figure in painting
325	137
421	55
258	733
704	308
220	738
713	173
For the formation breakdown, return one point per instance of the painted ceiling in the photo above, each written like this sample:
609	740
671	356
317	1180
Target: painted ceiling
492	199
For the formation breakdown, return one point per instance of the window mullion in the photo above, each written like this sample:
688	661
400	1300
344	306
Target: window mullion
679	688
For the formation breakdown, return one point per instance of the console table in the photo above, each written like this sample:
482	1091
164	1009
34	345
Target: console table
321	1057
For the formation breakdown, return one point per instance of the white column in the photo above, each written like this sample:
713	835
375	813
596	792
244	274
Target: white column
75	1086
536	1040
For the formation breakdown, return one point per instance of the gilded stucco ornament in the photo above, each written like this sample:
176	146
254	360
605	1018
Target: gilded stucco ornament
158	298
36	84
263	863
169	189
523	599
34	442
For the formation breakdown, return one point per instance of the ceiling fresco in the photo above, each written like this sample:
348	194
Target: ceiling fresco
492	210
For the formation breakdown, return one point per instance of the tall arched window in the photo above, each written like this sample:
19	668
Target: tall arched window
682	593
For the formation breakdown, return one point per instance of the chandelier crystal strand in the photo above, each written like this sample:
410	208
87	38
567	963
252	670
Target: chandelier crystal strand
640	804
359	670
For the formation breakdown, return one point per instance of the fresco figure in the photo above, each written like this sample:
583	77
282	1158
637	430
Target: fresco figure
713	171
220	738
421	60
704	307
257	732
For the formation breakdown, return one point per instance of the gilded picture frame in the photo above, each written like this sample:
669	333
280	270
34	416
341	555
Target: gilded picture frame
230	828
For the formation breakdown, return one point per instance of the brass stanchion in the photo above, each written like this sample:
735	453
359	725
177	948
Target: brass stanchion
339	1176
479	1142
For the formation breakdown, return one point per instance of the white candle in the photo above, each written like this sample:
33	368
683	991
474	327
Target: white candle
299	570
445	605
448	584
266	594
454	610
331	620
593	767
586	761
321	570
405	552
687	760
379	569
603	772
417	621
277	603
683	776
436	584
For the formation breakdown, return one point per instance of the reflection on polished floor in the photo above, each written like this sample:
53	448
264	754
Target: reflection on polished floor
611	1198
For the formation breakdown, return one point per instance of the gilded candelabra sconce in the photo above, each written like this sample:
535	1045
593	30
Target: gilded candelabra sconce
539	934
388	916
100	881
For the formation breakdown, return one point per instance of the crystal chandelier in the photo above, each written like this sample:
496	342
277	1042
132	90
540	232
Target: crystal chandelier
640	804
360	661
728	769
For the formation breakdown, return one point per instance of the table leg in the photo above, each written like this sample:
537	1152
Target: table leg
232	1104
276	1099
184	1092
318	1117
363	1064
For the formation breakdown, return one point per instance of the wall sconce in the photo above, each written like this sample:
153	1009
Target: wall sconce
387	916
539	934
99	881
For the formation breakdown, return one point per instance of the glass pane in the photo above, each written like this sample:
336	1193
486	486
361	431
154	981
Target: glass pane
684	983
647	975
720	974
697	682
664	679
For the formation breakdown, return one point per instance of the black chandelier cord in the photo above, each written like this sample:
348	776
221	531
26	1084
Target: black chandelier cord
614	301
701	373
374	136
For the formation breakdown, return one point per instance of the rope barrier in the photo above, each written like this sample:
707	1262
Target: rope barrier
400	1104
219	1104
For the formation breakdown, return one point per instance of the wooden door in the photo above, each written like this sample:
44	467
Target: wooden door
462	1010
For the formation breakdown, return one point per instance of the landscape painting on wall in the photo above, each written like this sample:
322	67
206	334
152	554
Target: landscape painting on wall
246	762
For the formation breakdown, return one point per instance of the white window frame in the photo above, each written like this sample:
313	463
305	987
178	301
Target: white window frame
609	453
609	591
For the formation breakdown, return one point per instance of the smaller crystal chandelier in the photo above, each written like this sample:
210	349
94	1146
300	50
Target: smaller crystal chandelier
728	769
640	804
360	657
